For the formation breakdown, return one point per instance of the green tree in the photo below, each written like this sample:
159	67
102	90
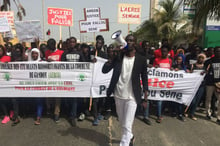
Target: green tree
168	22
206	9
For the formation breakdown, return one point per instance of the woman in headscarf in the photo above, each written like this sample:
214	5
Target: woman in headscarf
34	56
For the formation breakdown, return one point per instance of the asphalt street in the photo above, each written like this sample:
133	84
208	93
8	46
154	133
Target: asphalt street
171	132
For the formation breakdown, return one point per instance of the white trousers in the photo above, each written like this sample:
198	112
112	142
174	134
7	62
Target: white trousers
126	113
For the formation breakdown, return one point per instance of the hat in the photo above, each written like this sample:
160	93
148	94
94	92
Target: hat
202	55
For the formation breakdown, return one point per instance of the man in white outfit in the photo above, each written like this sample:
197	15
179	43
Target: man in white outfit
128	67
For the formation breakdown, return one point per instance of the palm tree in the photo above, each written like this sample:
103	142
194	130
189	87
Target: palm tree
206	9
167	22
6	6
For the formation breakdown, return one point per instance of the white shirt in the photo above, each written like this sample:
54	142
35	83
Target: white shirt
123	89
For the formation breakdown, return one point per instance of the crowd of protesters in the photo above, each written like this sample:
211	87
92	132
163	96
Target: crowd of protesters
165	56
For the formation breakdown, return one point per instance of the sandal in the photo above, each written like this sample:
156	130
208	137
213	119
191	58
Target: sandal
16	122
37	122
193	118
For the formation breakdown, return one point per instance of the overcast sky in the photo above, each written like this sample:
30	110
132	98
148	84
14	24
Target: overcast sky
109	9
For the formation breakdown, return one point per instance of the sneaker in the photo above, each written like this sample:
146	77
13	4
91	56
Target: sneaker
57	118
5	120
214	115
159	119
107	115
218	121
181	118
73	122
208	117
95	122
100	117
11	114
147	121
132	141
81	117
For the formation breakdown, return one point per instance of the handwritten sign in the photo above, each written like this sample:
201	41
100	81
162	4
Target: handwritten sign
4	26
59	16
129	13
10	17
93	21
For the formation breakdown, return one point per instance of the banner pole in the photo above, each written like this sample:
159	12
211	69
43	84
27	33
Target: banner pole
43	20
128	28
69	32
186	109
94	37
60	32
90	100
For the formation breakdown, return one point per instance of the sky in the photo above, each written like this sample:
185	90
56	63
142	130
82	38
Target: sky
109	9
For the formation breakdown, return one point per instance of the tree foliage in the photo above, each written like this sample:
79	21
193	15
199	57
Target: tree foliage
168	22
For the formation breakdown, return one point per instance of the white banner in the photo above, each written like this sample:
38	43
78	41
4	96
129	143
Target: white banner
164	84
28	31
60	79
177	86
63	79
100	81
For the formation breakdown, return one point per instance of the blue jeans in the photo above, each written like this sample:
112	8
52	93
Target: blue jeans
196	100
73	107
39	107
159	108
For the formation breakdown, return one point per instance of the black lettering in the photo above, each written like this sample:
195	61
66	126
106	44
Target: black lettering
101	89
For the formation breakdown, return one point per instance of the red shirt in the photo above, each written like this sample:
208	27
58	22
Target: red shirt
163	63
55	56
5	59
157	53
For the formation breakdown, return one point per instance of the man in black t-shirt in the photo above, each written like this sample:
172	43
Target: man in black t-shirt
213	78
72	55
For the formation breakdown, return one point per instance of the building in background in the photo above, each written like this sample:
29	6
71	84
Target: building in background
212	33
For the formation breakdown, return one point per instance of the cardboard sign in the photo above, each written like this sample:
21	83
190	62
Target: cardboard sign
129	13
59	16
28	31
93	21
4	26
10	17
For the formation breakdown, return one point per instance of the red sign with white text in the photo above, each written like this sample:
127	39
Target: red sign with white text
59	16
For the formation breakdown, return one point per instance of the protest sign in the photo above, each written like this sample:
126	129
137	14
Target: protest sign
93	21
166	85
4	26
177	86
100	81
28	31
60	79
129	13
10	17
60	16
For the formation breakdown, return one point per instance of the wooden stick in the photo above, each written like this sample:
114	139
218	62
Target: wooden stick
186	109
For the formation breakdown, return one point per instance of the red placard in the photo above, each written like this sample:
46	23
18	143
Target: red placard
59	16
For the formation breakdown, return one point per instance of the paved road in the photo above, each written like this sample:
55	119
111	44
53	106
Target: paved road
171	132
